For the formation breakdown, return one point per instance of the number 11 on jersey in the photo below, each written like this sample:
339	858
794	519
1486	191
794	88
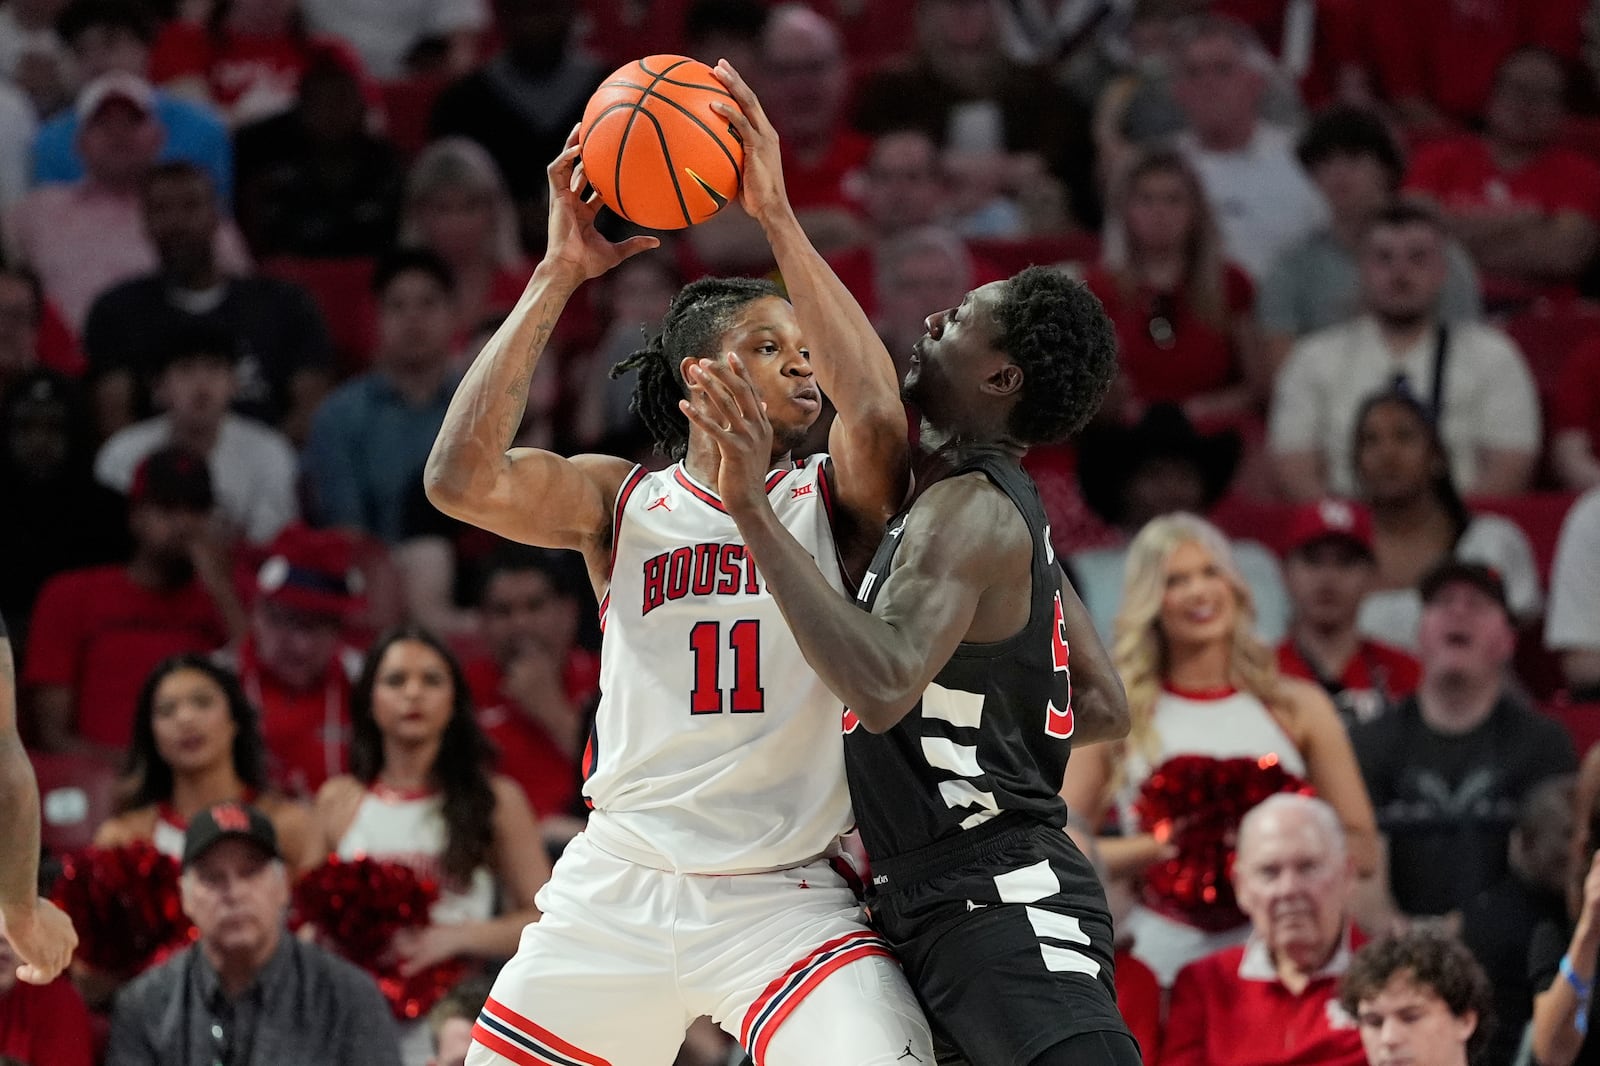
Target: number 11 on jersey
744	641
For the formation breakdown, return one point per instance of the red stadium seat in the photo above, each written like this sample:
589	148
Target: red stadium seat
76	794
1581	721
342	289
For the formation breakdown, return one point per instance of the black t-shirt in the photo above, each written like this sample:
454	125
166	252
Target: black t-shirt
992	733
1549	943
1447	803
1498	925
276	323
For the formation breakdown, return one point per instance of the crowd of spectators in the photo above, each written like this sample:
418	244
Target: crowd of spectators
1341	511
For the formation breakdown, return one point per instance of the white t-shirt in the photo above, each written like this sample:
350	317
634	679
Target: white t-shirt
253	470
1261	196
383	31
1489	397
1574	621
1392	615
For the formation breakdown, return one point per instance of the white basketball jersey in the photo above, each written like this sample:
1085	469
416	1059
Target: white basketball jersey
716	749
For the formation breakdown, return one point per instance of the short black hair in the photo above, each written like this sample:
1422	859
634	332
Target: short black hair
742	20
1056	330
85	15
1406	212
1432	959
399	261
1351	131
697	316
198	339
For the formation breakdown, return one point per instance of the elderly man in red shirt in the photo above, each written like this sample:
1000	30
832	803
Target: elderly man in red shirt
1275	998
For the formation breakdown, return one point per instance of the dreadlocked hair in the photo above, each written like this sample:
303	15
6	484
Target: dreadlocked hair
1055	329
699	315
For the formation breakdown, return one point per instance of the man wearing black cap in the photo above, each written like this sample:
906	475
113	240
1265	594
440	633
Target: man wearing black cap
247	993
1449	768
97	632
254	467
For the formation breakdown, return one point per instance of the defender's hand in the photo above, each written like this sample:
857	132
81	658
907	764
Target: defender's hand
573	243
723	402
761	192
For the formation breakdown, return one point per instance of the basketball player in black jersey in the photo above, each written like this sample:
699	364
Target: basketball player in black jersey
968	677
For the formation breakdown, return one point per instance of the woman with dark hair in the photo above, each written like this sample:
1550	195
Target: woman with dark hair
420	792
196	743
1402	473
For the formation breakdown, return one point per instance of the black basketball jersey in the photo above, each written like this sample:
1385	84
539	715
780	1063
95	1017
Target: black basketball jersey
992	731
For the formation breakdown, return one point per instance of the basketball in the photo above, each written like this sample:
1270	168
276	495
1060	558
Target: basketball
653	148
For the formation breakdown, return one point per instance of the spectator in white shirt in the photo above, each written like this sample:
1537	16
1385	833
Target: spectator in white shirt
386	33
1573	627
1263	199
1470	377
253	466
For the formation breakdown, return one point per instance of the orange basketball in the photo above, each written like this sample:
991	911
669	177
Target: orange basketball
653	148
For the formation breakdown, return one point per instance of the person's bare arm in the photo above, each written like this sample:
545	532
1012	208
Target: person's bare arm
1502	472
1087	792
868	440
1301	476
1332	769
1556	1039
473	473
1574	460
40	934
1099	704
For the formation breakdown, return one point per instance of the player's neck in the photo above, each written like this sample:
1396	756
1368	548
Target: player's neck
956	444
703	462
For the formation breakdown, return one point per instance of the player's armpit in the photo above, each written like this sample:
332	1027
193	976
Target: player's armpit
539	497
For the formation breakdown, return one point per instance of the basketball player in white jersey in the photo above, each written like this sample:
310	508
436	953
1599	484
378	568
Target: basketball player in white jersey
701	885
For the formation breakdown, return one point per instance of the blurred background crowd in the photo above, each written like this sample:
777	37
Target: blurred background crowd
1350	251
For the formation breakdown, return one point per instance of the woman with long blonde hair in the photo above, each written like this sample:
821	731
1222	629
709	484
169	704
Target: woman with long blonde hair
1201	683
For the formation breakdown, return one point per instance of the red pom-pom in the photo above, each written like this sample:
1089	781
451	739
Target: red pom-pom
124	903
1201	801
357	907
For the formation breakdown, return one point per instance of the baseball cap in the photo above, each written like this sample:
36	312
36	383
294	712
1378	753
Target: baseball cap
1456	572
312	570
173	477
116	85
228	821
1330	520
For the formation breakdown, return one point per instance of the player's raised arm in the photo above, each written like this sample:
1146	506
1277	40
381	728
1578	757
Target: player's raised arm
39	933
868	440
961	540
473	473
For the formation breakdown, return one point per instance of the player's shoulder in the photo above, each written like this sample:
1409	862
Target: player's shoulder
970	497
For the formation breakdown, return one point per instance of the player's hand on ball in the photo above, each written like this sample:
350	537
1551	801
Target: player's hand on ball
573	242
43	939
761	192
723	402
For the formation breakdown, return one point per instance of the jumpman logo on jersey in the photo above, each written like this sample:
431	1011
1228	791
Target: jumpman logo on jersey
908	1054
799	491
664	502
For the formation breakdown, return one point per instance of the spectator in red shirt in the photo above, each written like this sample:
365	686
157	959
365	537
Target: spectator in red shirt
245	60
922	268
1420	999
1329	568
536	684
42	1025
299	659
1184	315
98	632
1575	419
1435	60
1526	208
1294	879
